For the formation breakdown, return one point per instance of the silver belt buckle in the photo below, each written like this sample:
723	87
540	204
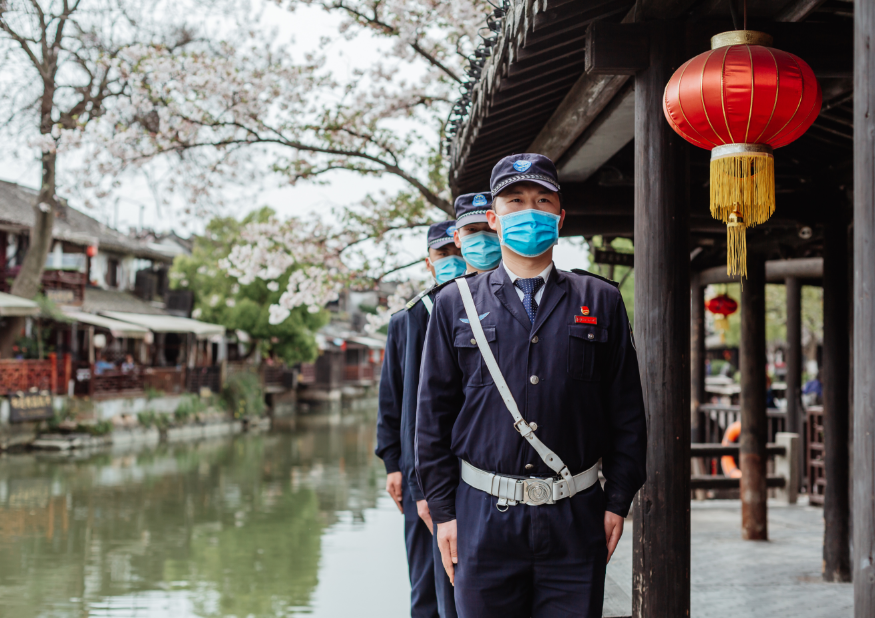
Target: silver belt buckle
537	491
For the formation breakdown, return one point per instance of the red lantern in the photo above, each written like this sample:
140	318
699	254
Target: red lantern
722	305
91	250
741	100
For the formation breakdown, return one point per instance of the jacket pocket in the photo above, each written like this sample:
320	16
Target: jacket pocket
471	360
585	349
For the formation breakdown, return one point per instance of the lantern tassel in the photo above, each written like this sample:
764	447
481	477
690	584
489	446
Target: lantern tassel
736	247
743	183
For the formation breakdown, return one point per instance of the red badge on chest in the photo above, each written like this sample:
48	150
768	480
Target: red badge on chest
585	319
584	310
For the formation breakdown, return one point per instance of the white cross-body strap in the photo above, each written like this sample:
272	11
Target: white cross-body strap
428	303
550	458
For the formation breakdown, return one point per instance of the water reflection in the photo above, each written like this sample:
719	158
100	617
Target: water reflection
242	527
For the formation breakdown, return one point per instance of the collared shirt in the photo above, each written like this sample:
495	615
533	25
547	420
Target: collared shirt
545	274
389	443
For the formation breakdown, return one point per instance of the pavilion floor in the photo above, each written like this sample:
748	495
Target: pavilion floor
732	578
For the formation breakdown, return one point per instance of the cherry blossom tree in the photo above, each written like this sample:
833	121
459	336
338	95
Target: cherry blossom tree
60	73
220	111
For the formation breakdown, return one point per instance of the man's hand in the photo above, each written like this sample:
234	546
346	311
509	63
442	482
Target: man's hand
613	531
446	539
393	486
424	514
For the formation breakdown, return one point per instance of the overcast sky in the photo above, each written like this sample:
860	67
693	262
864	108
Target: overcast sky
304	28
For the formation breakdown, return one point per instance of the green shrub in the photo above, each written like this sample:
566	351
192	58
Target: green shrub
100	428
188	407
243	395
153	393
146	418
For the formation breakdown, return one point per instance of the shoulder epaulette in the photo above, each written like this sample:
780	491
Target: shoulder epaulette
580	271
412	302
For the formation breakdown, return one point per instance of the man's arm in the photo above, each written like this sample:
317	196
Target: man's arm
417	323
390	395
624	463
440	398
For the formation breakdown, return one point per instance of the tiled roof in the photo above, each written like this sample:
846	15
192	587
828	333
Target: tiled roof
16	209
97	300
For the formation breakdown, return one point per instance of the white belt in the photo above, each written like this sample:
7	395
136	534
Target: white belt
534	492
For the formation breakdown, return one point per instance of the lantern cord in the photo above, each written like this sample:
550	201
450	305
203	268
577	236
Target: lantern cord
733	12
745	14
744	184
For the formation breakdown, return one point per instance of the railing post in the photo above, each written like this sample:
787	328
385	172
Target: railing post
53	378
787	465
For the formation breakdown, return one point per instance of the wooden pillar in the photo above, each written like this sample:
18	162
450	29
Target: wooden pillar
864	309
794	363
661	529
752	441
834	376
697	356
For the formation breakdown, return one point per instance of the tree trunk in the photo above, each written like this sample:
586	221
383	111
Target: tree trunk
27	283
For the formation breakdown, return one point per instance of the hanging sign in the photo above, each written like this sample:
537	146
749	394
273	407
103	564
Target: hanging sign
31	406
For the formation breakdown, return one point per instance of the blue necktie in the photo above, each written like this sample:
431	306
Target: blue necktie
530	287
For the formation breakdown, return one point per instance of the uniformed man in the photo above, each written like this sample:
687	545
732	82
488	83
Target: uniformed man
529	377
481	251
444	262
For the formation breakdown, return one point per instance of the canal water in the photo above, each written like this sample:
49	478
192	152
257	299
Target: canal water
256	525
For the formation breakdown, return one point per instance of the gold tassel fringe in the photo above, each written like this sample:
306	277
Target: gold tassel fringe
736	247
743	184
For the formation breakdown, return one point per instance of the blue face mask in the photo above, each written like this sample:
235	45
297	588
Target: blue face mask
448	268
529	233
481	250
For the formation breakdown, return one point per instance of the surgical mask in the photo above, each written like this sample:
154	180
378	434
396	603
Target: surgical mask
529	233
481	250
448	268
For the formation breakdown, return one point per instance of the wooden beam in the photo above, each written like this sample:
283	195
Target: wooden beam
834	376
661	523
776	271
617	49
698	395
725	482
589	95
793	290
864	310
797	10
752	441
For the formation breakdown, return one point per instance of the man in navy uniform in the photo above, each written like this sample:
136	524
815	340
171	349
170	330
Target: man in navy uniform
444	262
481	251
529	377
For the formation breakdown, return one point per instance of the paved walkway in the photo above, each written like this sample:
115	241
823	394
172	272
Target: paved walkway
732	578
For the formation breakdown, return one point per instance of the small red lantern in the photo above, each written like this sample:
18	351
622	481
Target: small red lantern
91	251
723	305
741	100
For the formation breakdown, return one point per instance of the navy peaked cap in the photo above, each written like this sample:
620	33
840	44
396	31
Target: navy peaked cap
472	207
524	167
441	234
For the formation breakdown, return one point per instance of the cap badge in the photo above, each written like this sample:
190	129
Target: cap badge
479	200
584	310
451	230
522	166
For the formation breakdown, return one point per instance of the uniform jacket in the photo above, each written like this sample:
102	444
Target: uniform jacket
417	323
578	381
391	388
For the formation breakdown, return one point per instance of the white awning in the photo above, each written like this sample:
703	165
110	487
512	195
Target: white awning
370	342
16	306
116	327
169	324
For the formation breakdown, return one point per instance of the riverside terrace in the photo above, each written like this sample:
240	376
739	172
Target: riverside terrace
583	82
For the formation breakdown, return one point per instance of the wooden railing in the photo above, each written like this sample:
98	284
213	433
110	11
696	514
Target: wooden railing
308	373
24	375
169	380
359	373
784	453
66	286
204	377
109	383
814	455
715	418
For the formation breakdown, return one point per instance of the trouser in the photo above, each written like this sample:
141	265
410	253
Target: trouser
420	561
445	591
530	561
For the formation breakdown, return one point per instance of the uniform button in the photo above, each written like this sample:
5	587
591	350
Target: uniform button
534	379
529	466
473	342
590	336
535	339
